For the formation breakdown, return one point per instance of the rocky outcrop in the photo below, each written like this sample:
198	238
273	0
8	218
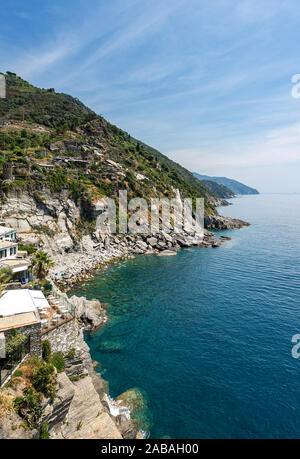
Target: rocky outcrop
167	253
43	217
90	312
78	266
219	222
81	408
13	428
58	411
87	417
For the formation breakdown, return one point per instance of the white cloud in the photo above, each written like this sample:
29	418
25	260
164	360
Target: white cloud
36	62
277	147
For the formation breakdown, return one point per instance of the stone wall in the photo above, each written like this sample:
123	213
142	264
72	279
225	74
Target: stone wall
64	337
34	332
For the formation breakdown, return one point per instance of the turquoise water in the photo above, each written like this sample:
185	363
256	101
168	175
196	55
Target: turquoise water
207	335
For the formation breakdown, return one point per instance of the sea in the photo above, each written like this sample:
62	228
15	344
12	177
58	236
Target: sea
205	338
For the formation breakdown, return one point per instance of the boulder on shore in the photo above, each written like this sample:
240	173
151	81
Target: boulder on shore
90	312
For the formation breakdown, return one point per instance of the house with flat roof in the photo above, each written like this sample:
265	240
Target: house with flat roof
19	309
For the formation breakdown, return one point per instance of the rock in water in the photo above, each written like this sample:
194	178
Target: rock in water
89	311
167	253
137	403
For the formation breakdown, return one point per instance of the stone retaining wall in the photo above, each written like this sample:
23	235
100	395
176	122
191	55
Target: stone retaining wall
34	333
64	337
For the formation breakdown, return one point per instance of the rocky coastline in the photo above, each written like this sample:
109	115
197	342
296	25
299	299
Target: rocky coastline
99	250
51	220
51	224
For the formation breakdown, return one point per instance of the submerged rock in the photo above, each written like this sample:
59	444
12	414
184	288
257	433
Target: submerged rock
136	401
167	253
110	347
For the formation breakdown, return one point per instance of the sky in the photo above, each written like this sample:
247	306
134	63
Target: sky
208	83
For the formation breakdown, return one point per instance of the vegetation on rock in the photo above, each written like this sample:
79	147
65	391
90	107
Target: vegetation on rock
52	140
41	263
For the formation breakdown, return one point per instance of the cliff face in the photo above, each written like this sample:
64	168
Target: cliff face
64	228
58	158
80	409
49	219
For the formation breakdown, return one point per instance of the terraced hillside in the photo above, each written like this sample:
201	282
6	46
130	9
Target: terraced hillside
52	139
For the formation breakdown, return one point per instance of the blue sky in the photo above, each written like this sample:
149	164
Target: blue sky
206	82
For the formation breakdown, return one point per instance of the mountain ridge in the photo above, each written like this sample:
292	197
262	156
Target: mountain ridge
234	185
218	189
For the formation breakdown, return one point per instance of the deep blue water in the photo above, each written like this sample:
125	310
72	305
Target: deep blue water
207	335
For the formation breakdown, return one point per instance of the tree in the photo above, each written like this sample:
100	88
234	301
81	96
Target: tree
46	350
5	276
41	263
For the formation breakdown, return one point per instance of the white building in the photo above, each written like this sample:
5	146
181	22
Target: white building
8	249
19	308
7	234
10	257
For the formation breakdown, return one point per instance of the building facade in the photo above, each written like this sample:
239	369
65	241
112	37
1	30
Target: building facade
11	257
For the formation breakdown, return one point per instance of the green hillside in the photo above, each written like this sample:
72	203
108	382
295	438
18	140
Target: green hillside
218	189
42	106
52	139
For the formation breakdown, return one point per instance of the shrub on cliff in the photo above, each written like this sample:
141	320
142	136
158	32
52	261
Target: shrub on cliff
29	407
58	361
43	380
44	434
46	350
30	249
